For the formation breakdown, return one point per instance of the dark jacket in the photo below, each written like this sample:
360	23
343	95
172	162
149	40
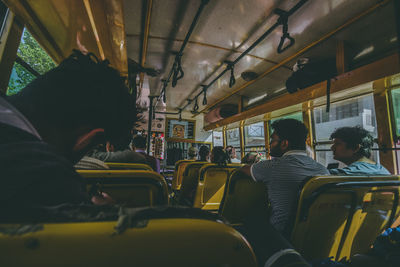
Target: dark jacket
150	160
34	174
123	156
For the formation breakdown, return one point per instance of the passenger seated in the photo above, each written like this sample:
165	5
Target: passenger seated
204	153
89	163
288	168
139	145
192	153
117	153
352	146
251	158
232	154
51	124
219	156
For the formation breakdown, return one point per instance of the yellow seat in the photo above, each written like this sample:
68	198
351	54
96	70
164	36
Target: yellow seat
128	166
157	242
341	216
243	197
132	188
211	185
189	182
180	166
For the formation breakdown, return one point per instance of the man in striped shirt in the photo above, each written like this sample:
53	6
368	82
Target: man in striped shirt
289	167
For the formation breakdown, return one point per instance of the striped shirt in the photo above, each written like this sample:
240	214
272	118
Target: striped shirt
283	176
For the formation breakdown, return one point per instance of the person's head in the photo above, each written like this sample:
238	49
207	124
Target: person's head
139	142
77	105
231	151
115	147
288	134
351	144
204	153
251	158
219	155
192	153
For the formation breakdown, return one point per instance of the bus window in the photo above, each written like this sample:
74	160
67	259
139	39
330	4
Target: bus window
356	111
3	15
396	114
233	139
396	110
297	116
31	62
217	139
254	139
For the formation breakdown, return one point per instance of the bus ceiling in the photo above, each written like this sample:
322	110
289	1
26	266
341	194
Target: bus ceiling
224	52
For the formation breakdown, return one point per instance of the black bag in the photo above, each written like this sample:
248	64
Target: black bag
307	73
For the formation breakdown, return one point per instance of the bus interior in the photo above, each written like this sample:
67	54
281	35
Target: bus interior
218	73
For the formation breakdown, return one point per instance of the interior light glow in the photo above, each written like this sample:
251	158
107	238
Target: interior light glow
279	90
364	52
255	99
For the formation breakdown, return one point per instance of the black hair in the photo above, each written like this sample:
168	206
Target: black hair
354	136
192	151
220	156
229	150
204	151
81	92
292	130
139	141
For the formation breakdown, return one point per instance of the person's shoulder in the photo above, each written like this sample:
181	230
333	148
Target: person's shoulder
375	169
37	159
132	156
264	168
90	163
309	163
361	168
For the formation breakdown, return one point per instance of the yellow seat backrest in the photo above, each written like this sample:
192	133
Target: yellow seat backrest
243	197
180	166
340	216
128	166
211	185
199	243
189	182
132	188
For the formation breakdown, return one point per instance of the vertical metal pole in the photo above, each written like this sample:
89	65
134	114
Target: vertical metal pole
242	144
149	123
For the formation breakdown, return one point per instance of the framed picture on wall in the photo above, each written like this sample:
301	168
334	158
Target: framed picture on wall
184	129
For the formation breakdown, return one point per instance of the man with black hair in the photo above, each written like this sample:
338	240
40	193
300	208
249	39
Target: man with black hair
52	123
117	153
219	155
232	154
139	145
352	146
204	153
192	153
288	168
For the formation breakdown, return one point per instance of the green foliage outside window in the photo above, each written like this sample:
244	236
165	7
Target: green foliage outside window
31	52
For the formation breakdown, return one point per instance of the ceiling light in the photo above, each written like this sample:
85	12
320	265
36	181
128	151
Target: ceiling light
255	99
364	52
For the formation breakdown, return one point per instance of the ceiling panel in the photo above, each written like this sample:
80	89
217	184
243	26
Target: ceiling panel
228	27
